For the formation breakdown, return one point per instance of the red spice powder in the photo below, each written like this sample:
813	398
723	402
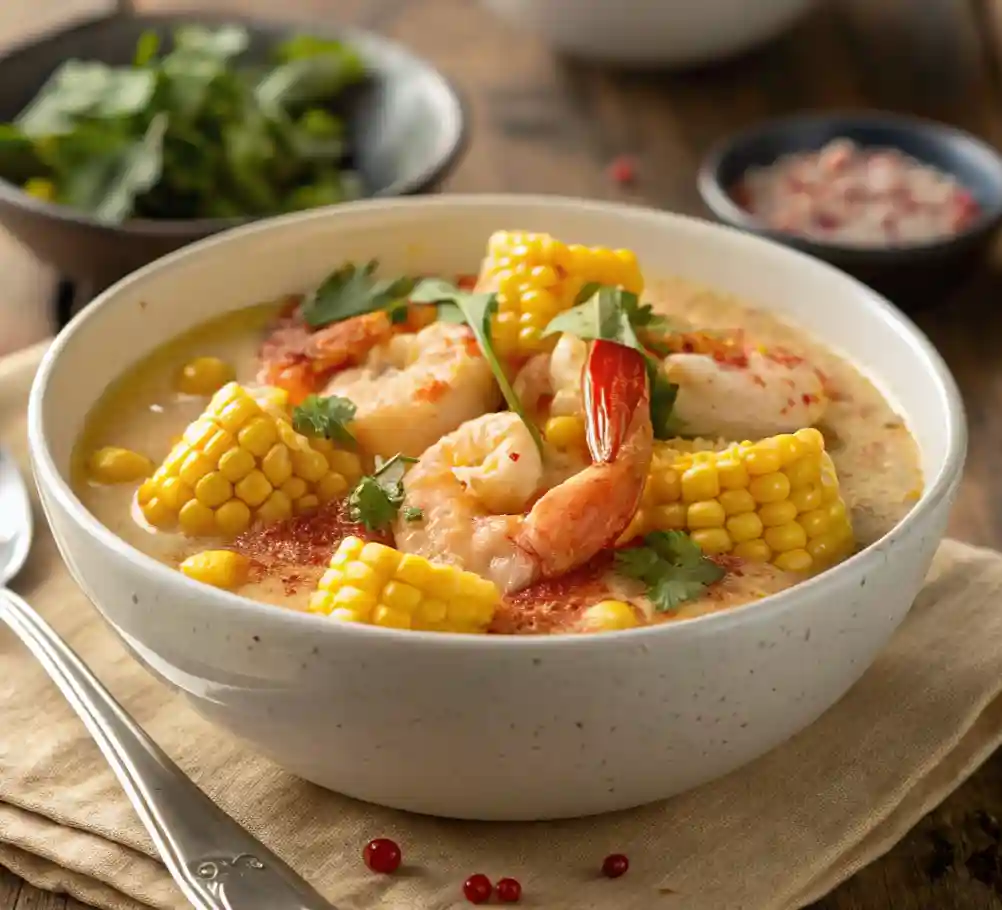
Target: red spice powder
303	540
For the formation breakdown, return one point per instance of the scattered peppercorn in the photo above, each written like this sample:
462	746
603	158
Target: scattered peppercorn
382	855
508	890
477	889
615	865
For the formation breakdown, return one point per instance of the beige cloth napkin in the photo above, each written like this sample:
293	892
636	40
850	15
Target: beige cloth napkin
776	835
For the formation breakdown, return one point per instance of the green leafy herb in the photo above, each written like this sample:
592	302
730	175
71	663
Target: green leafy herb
671	565
412	513
376	498
324	418
612	314
193	132
476	310
353	290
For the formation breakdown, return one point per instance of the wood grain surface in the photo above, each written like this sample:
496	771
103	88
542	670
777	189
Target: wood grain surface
543	124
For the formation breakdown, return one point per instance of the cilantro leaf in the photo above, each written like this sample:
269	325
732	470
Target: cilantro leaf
671	565
476	310
376	498
324	417
353	290
612	314
413	513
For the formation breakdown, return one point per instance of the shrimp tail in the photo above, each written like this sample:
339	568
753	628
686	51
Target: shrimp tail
615	386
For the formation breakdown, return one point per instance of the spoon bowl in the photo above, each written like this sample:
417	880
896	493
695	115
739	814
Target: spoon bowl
16	523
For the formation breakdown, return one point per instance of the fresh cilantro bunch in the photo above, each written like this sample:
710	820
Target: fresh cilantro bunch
196	132
671	565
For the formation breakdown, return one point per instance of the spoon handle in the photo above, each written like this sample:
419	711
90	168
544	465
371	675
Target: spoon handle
216	863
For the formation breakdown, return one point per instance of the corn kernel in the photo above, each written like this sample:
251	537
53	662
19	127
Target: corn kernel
769	487
219	568
565	433
774	514
194	468
174	492
331	486
806	498
804	472
753	551
794	561
320	602
700	482
706	514
432	611
609	616
737	502
671	517
309	465
116	465
401	596
306	504
294	487
276	464
349	598
789	448
358	575
236	465
747	526
258	436
213	490
196	519
761	459
199	432
815	522
237	413
347	464
811	440
253	489
233	518
667	485
381	559
785	537
276	507
389	618
203	376
344	615
712	541
732	474
414	571
158	513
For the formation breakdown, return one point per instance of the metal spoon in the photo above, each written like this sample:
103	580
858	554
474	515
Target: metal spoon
216	863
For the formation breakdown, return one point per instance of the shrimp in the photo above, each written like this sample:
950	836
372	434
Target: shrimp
491	503
764	394
726	388
413	388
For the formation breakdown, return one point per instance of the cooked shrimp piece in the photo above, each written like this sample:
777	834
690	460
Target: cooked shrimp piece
761	395
475	485
414	388
726	388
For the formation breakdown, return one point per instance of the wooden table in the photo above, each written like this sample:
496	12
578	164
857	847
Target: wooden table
545	125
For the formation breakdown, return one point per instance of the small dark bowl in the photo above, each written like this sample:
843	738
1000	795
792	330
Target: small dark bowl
407	129
912	275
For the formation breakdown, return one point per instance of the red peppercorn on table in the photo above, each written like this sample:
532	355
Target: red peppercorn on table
542	125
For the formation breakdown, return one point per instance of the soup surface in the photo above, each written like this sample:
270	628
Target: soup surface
569	517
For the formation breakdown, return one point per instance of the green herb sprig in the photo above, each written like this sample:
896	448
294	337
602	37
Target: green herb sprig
377	498
671	565
325	417
353	291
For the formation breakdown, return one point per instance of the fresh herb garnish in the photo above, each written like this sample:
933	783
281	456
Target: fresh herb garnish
353	290
376	498
476	310
412	513
612	314
324	417
672	566
192	132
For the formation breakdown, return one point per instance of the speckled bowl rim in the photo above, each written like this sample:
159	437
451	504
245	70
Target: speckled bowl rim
455	128
941	486
724	207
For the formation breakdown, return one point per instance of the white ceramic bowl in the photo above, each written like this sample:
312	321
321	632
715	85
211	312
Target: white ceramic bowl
646	33
495	727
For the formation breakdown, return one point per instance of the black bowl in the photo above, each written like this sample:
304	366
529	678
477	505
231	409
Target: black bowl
407	129
912	275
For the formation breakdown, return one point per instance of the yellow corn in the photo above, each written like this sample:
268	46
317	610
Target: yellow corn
776	500
565	433
112	464
241	462
203	376
377	585
219	568
608	616
536	277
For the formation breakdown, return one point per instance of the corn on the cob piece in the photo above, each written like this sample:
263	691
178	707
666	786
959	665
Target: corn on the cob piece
241	462
776	500
536	277
377	585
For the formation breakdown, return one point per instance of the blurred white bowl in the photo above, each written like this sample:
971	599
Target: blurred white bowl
652	32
